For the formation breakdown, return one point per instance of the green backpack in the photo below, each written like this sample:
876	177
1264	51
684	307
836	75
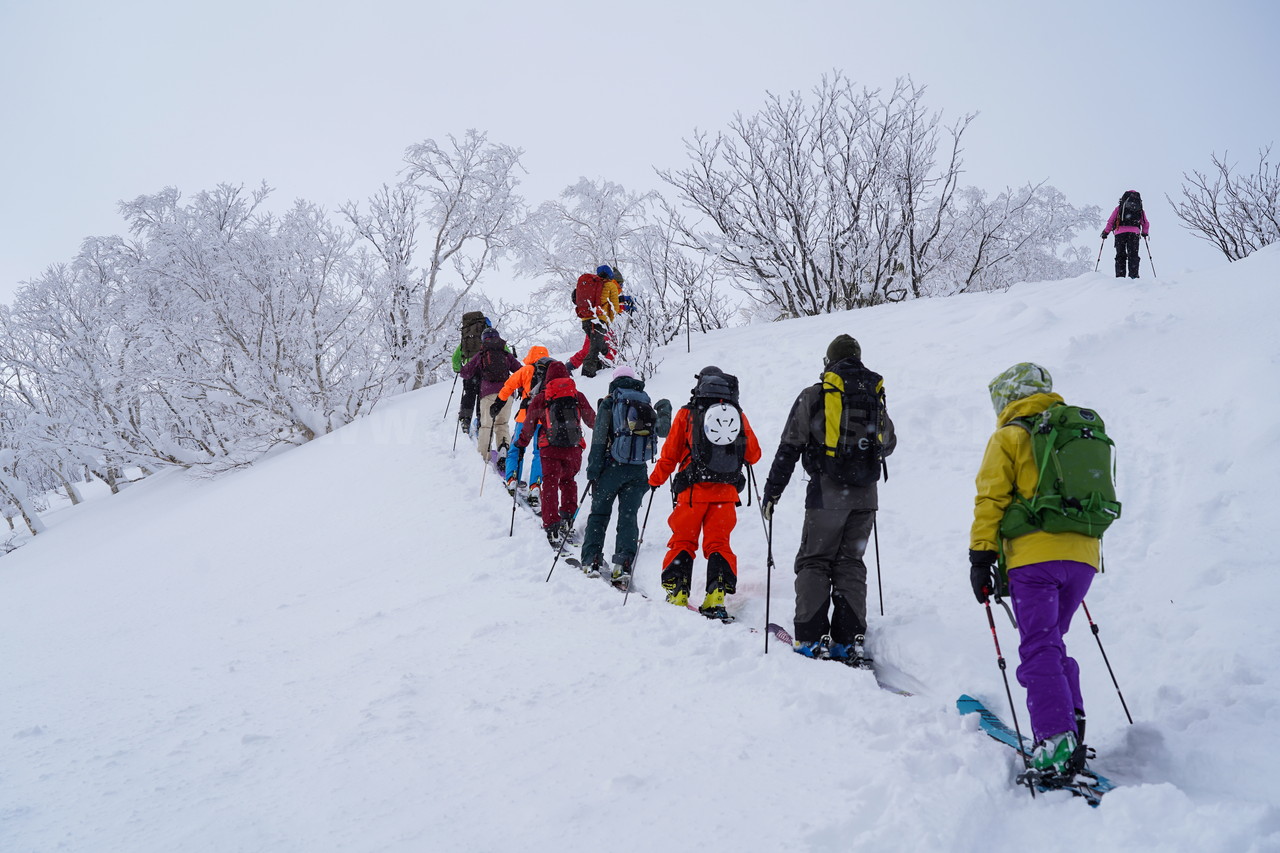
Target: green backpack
1076	490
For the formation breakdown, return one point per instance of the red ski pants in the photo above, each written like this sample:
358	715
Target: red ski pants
715	521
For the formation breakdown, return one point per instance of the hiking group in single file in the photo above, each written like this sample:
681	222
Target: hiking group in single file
1044	490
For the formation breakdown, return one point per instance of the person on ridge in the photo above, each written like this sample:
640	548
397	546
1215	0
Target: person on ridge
492	365
617	465
844	458
710	441
558	411
525	382
597	303
1049	574
1128	221
473	325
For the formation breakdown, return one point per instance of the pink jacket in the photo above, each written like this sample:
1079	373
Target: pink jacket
1126	229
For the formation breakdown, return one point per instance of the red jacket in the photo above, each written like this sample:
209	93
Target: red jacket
537	412
676	455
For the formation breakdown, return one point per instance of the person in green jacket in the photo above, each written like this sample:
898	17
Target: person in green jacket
619	471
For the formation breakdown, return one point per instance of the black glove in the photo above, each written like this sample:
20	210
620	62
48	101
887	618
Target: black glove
1104	234
496	408
981	577
570	367
767	505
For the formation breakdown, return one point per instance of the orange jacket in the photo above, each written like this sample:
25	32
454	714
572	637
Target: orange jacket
676	455
522	378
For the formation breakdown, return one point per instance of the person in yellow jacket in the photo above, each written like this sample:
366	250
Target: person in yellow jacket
1049	573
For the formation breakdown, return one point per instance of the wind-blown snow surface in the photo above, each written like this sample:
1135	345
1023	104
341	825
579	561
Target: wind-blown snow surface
341	648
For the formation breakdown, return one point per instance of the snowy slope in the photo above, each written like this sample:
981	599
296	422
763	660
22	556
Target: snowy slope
342	649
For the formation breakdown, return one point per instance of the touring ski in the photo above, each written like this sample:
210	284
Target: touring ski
1086	784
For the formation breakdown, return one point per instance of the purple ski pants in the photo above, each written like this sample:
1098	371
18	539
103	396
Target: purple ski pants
1045	597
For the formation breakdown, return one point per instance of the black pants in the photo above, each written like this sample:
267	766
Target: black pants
831	577
1127	255
470	396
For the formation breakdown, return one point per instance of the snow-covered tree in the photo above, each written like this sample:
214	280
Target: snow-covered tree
1238	213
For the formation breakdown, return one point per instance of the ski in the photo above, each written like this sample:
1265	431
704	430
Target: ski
782	635
718	613
1087	784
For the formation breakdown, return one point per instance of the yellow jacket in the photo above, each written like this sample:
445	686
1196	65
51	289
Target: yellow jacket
1008	465
610	305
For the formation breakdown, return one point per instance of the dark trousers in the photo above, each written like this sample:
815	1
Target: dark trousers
470	395
830	570
626	484
1127	258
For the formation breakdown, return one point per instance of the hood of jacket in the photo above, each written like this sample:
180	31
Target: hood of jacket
535	352
557	370
630	383
1033	405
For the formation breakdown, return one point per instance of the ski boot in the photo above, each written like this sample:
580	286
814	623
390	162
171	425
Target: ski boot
851	654
816	649
713	606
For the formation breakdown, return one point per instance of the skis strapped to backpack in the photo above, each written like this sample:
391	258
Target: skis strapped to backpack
1075	492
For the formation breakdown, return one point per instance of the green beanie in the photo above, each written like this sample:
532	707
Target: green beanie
841	348
1021	380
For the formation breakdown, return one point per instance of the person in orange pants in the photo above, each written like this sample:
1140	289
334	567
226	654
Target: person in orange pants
709	442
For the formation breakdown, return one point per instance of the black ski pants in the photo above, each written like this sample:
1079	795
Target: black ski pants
1127	258
830	571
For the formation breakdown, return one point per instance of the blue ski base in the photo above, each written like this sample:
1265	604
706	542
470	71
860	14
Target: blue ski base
1087	784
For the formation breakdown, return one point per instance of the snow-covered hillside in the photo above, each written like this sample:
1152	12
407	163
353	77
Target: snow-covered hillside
342	649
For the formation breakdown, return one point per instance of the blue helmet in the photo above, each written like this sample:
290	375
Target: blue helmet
604	271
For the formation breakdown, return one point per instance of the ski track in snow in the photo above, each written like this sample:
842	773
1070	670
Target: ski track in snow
342	649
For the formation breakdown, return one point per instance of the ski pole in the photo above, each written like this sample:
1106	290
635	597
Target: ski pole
991	620
456	430
449	405
1098	262
631	578
875	535
572	522
1094	629
768	578
1153	267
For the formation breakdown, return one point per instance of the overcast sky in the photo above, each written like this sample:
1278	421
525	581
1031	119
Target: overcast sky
107	101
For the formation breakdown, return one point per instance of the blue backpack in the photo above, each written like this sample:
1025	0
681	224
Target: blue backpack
633	427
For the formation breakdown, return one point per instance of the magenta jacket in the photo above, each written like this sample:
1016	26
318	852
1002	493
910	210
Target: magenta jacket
1126	229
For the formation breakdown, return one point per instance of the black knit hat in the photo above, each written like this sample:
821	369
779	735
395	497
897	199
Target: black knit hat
841	348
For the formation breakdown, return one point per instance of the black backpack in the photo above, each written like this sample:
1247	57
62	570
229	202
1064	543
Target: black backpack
539	375
493	361
473	326
852	414
563	426
1130	209
717	442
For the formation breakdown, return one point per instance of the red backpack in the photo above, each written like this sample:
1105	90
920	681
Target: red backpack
587	294
563	426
